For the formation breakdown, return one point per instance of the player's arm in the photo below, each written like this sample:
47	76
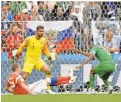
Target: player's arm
89	58
23	45
82	52
46	50
24	86
112	50
8	88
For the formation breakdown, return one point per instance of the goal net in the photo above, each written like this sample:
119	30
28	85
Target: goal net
67	25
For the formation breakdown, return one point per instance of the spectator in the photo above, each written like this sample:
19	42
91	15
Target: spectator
60	15
29	6
42	11
6	16
77	13
92	11
118	11
18	6
24	16
69	11
111	13
110	42
14	40
63	4
6	13
35	15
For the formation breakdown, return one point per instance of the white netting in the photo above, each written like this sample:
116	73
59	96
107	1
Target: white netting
82	23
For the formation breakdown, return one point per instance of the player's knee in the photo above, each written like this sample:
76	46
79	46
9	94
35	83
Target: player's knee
24	75
48	72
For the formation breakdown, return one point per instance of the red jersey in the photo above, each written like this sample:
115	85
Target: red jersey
13	42
14	81
20	18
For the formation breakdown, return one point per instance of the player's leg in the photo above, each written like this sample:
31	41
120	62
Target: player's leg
104	71
27	69
55	81
92	77
42	66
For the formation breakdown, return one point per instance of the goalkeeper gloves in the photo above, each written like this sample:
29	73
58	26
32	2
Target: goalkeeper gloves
50	62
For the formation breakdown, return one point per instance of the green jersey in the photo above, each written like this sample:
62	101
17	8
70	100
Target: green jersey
102	54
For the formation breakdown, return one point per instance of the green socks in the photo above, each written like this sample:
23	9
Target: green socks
92	81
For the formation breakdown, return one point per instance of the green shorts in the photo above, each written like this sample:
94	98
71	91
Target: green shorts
104	70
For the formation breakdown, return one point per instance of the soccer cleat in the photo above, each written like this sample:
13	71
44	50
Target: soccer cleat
72	80
71	72
110	91
50	91
92	91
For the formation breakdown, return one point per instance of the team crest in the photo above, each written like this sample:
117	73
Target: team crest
41	43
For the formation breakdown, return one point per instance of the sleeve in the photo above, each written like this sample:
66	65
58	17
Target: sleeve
24	44
45	49
93	51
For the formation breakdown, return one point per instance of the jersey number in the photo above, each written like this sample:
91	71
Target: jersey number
33	47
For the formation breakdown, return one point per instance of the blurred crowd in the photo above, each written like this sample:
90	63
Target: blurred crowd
14	15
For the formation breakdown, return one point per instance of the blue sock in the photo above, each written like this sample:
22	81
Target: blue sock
53	81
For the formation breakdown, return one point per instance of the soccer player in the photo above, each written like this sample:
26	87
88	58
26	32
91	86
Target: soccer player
17	85
36	45
104	69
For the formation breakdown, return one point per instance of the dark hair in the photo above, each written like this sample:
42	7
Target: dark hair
40	2
14	67
39	27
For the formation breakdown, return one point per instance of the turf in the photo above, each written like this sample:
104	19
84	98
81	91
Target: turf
62	98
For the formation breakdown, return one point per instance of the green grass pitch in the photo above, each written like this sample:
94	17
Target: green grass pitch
62	98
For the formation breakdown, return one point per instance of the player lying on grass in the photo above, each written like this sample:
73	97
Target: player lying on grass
17	85
104	69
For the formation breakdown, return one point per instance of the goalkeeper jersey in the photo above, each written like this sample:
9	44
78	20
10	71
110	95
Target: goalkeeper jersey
35	48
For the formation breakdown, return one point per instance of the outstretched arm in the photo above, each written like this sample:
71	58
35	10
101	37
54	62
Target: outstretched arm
22	46
89	58
82	52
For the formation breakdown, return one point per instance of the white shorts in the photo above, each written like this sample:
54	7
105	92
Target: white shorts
38	87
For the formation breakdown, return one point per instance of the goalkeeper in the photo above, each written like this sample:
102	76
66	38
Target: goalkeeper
35	44
104	69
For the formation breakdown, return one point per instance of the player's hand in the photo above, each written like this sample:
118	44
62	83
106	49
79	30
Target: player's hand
15	59
50	62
